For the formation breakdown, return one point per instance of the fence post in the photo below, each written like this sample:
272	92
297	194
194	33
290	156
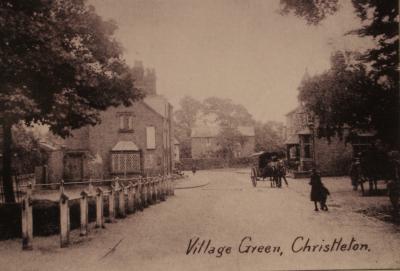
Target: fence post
149	192
131	203
159	188
99	208
144	193
173	186
64	221
111	205
165	187
121	199
141	191
137	197
62	186
163	195
153	186
27	220
84	214
153	191
91	188
168	186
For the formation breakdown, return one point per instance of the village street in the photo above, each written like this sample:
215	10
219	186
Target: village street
226	211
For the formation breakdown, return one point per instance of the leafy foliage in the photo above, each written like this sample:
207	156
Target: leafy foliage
228	139
345	96
184	121
374	90
227	113
60	64
312	11
268	136
381	21
228	116
26	150
186	116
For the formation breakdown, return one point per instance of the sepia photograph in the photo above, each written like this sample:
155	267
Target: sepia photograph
199	135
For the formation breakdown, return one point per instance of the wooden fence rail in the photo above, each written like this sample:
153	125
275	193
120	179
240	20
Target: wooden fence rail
125	196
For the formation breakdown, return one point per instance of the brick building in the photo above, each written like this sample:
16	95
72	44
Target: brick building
204	142
135	140
304	149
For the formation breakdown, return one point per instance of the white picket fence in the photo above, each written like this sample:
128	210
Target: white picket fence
132	194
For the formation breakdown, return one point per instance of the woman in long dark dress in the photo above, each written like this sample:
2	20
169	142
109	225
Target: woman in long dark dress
319	192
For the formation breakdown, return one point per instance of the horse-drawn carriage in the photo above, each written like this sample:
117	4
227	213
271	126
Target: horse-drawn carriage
267	167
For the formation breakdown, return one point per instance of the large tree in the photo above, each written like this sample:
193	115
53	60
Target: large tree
219	111
186	115
345	96
227	113
381	82
184	120
268	136
228	117
60	66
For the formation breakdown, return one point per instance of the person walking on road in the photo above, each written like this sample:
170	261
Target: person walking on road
319	192
194	169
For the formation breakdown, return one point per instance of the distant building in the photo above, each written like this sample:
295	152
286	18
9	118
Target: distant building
204	142
304	149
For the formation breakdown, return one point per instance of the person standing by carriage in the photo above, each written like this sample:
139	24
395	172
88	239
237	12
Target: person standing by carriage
282	171
319	192
275	171
355	173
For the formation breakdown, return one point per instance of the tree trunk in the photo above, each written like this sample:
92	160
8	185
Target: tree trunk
7	155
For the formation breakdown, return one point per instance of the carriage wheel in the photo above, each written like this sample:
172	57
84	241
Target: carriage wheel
253	177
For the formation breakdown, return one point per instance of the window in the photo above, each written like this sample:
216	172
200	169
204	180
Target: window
307	146
151	137
125	122
125	162
293	152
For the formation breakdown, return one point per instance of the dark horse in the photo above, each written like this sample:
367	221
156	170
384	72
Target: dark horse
269	168
374	166
271	171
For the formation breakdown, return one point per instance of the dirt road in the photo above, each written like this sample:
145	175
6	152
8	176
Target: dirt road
237	227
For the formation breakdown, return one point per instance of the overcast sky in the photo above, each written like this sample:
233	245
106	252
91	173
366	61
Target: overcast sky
237	49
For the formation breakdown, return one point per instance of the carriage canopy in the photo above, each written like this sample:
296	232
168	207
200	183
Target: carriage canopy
264	157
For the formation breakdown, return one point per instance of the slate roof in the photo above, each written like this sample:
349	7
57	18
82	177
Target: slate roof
158	103
205	131
246	130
